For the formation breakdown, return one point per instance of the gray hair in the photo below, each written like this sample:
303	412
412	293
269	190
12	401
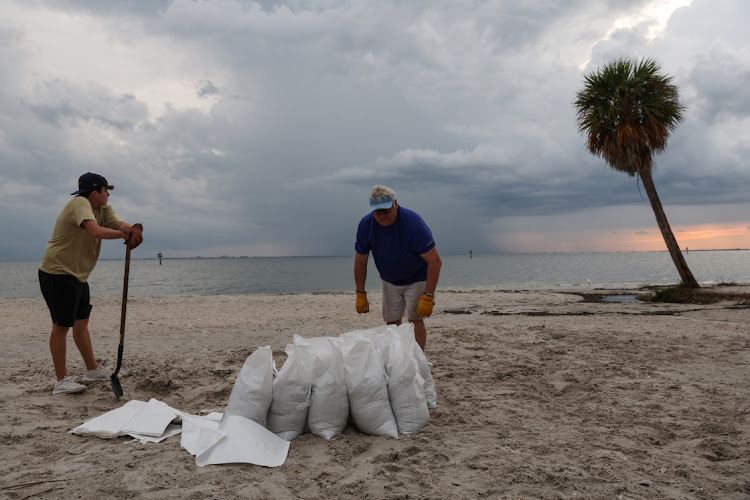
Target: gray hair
380	192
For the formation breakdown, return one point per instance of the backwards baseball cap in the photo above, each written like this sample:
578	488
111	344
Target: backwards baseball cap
91	182
381	197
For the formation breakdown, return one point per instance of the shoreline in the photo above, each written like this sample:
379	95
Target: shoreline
641	290
541	393
574	272
580	289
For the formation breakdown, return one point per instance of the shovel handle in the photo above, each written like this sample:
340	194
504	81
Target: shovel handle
124	295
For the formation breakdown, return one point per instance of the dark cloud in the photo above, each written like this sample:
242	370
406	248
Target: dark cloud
207	88
97	7
61	104
719	80
264	124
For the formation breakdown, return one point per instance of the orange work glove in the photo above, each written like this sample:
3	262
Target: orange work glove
424	308
362	305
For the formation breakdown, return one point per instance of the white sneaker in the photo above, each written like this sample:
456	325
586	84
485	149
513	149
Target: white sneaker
97	375
68	385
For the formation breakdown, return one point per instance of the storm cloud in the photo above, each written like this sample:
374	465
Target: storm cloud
257	128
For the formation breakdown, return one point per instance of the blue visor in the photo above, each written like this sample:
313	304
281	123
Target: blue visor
382	203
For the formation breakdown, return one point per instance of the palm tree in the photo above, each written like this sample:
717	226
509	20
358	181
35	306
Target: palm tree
626	110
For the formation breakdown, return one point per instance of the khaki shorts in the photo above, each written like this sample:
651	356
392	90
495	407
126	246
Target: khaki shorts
400	299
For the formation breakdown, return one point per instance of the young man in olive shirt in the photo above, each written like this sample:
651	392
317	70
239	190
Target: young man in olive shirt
71	255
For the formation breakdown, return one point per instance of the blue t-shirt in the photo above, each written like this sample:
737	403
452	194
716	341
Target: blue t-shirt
398	248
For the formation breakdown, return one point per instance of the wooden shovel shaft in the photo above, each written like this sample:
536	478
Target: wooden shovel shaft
116	387
124	296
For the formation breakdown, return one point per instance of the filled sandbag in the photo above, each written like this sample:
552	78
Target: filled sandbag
321	346
287	414
380	336
367	388
406	389
329	398
252	391
406	334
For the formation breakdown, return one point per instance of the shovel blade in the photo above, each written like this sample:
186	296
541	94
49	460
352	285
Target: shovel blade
116	387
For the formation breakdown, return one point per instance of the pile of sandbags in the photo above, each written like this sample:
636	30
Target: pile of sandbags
379	376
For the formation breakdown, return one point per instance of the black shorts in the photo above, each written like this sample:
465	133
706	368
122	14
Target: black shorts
67	298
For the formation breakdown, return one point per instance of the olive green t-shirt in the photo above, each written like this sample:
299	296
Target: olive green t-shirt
72	250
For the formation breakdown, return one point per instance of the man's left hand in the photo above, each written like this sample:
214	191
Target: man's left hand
362	304
135	237
424	308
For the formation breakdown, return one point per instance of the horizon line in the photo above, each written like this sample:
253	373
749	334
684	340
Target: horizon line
200	257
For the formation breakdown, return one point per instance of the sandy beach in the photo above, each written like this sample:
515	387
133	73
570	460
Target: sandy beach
540	395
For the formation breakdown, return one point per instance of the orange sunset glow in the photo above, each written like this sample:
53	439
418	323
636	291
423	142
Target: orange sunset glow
699	237
645	239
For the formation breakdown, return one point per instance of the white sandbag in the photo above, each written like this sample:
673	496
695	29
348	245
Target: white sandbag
329	398
321	347
406	389
406	334
367	388
251	394
291	394
380	336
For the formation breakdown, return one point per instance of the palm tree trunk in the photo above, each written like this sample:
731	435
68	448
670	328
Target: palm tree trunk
661	220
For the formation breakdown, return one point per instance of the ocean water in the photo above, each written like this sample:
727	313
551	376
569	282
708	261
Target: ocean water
562	271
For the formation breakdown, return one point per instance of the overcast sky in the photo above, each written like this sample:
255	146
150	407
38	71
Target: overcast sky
258	127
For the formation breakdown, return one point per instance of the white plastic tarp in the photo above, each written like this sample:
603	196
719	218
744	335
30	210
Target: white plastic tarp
245	441
239	441
192	425
134	417
171	430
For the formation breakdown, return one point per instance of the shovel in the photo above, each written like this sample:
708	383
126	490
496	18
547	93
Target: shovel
115	381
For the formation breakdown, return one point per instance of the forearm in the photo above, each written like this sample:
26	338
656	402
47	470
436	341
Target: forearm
360	272
433	275
105	233
124	227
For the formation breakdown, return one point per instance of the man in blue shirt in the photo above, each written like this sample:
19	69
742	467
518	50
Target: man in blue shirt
406	257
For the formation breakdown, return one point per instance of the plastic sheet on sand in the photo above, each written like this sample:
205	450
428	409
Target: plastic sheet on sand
239	440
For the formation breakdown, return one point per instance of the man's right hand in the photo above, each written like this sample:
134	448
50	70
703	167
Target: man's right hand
362	305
